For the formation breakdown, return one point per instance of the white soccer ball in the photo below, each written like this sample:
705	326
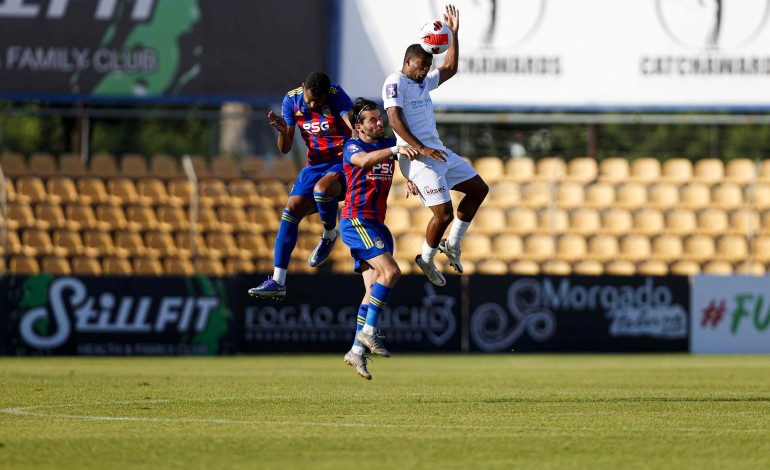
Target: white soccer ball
435	37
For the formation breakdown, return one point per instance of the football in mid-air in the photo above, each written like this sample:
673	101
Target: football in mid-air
435	37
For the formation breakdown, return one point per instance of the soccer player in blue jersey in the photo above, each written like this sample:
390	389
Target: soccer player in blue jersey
369	162
320	110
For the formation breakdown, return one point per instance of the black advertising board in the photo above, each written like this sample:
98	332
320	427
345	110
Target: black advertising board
579	314
319	315
46	315
160	50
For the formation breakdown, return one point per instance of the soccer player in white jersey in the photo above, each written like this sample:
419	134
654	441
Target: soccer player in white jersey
406	95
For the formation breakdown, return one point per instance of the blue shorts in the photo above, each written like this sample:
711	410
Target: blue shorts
310	175
366	239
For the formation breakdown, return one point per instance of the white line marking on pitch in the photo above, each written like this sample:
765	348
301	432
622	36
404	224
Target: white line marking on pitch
26	411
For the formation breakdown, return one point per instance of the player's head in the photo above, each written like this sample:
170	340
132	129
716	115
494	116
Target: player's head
417	63
316	88
366	117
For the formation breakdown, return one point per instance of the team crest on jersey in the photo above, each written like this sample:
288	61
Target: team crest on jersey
391	90
326	111
298	113
354	148
379	243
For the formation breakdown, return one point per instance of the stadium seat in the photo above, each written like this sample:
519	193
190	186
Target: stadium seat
550	169
584	221
14	165
84	218
115	266
32	189
13	245
507	247
63	188
129	244
732	248
582	170
104	165
476	247
159	244
153	190
225	168
71	165
55	265
94	188
613	170
254	168
571	248
133	166
491	169
521	221
603	248
588	268
53	216
538	248
284	169
43	165
21	216
635	248
144	266
694	196
208	221
648	222
246	192
10	192
760	249
215	191
421	216
399	220
652	268
555	267
142	218
740	171
98	243
492	267
174	266
225	244
663	196
266	218
599	196
209	267
668	248
685	268
758	197
552	221
536	195
69	242
569	195
503	195
256	246
113	216
172	218
681	222
236	266
708	171
488	220
764	171
39	241
86	266
676	171
519	170
409	244
645	170
164	167
235	218
743	222
396	198
620	268
719	268
524	268
712	222
200	166
180	192
617	222
631	196
345	266
125	190
727	196
275	191
23	265
699	248
750	268
185	245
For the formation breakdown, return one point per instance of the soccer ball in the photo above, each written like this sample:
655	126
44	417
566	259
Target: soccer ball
436	37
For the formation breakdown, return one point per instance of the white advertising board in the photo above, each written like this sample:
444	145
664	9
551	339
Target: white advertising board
565	54
730	314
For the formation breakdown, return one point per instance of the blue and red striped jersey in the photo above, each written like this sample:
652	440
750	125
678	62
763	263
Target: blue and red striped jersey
368	188
322	129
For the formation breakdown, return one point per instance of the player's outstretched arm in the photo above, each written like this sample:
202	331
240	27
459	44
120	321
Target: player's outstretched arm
449	68
400	127
285	133
370	159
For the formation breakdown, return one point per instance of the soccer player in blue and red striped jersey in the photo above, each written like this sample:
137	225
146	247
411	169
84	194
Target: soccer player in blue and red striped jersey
369	162
320	110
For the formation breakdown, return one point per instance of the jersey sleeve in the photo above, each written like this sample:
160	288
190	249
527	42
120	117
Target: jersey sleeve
287	111
391	95
432	79
342	101
351	148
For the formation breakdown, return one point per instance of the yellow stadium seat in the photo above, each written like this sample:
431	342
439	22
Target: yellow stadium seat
125	190
188	248
159	244
154	190
599	196
236	266
652	268
582	170
760	249
635	248
246	192
99	243
21	216
129	244
550	169
603	248
588	268
43	164
539	248
492	266
172	218
209	267
63	188
254	167
144	266
668	248
23	265
744	222
524	268
631	196
86	266
225	167
14	165
200	166
69	241
214	192
677	171
264	217
569	195
613	170
750	268
399	220
741	171
571	248
503	195
133	166
175	266
620	268
142	218
727	196
708	171
507	247
236	219
536	195
72	166
164	167
694	196
180	192
32	189
663	196
285	169
95	190
732	248
556	267
758	197
712	222
256	246
519	170
719	268
699	248
53	216
117	266
476	247
39	241
491	169
645	170
617	221
648	222
584	221
225	243
488	220
521	221
552	221
681	222
104	165
685	268
55	265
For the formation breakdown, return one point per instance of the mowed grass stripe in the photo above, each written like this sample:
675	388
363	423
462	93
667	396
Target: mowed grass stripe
451	411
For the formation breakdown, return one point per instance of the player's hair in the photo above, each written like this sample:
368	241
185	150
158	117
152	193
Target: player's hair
318	83
415	50
361	105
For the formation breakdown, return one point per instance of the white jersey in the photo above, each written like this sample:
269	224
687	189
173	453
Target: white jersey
414	99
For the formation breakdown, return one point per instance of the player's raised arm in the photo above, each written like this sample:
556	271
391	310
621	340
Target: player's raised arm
449	68
400	127
285	132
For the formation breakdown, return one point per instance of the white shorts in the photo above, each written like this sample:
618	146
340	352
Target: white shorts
435	179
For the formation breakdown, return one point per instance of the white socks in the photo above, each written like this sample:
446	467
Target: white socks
358	350
428	253
368	329
457	232
279	275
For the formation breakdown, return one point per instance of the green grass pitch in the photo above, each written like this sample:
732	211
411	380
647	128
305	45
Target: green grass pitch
420	411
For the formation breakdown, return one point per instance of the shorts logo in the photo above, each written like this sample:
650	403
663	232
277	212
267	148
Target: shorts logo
431	191
379	243
391	90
